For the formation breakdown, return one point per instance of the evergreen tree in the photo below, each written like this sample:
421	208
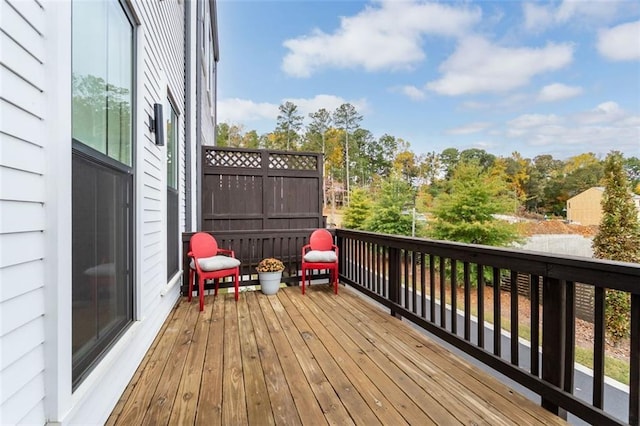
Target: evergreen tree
466	213
389	212
289	123
618	239
358	211
346	117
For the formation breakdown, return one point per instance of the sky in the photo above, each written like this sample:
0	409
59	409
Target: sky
559	77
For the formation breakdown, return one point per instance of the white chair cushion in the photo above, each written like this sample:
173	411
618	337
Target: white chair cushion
319	256
216	263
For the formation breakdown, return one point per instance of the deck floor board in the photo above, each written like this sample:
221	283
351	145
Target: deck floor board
290	359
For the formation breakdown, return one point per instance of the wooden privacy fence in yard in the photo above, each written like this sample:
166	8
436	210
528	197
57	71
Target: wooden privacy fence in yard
245	189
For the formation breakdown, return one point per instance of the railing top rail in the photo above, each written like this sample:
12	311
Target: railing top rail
605	273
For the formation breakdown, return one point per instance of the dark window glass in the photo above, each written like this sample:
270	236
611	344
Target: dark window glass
102	281
173	231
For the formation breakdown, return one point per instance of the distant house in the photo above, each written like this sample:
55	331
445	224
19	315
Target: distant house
104	105
586	208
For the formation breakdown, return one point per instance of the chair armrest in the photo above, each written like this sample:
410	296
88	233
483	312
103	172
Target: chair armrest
305	247
228	252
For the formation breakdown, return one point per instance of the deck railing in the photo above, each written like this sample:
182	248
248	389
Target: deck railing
421	280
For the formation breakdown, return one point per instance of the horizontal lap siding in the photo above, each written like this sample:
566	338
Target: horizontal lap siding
22	208
163	65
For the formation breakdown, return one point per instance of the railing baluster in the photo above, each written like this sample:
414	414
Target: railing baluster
515	332
480	292
534	288
405	279
598	347
443	293
423	284
394	279
467	301
570	336
414	287
454	296
386	260
497	314
432	288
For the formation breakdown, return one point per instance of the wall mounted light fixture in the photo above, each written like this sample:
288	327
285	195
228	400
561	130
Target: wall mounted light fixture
155	124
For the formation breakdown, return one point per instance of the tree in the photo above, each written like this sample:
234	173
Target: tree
449	159
617	239
360	140
466	214
389	213
320	123
289	122
632	167
358	211
380	154
347	118
482	157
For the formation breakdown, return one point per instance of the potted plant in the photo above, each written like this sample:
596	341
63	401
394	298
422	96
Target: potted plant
270	274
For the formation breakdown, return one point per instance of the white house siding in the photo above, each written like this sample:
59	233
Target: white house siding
22	212
207	82
160	70
35	210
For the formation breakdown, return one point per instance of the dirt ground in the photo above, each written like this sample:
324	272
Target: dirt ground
555	227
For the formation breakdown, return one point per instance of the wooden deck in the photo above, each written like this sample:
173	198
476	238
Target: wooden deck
314	359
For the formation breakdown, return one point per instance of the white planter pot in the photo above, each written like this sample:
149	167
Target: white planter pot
270	281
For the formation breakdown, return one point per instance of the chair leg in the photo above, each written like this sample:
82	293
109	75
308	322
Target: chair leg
304	279
191	276
201	288
237	280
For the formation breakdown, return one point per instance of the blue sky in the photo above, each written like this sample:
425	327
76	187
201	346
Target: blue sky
560	77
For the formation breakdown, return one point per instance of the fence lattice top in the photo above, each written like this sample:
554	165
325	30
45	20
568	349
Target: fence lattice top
220	157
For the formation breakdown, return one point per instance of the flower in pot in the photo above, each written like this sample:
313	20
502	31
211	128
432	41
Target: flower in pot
270	274
270	264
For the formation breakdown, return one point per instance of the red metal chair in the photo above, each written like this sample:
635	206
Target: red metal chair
210	263
320	253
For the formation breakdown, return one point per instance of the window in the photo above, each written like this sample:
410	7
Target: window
173	231
102	175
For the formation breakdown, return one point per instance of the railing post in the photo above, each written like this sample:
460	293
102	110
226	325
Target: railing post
553	338
394	279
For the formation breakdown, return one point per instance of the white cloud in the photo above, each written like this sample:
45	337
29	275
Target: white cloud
602	129
606	112
537	17
587	10
528	121
477	66
384	36
586	13
242	111
557	92
412	92
236	110
328	102
620	43
469	129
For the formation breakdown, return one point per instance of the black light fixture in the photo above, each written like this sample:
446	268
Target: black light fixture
155	124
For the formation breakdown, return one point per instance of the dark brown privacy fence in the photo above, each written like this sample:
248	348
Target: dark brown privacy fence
584	297
247	189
